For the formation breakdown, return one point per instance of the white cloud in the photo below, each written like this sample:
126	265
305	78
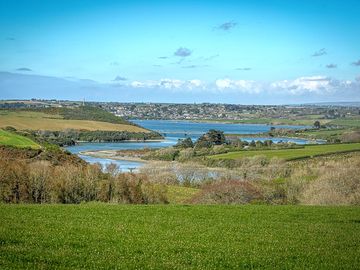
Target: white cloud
316	85
320	85
245	86
223	83
170	83
196	83
137	84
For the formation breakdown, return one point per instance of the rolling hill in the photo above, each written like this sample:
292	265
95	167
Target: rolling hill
59	119
10	139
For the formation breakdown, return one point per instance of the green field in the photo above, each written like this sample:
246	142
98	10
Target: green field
289	154
11	139
103	236
350	122
37	120
324	133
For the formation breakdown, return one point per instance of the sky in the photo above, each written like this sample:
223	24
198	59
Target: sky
244	52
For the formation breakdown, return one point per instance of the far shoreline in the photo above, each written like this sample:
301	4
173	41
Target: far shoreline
225	121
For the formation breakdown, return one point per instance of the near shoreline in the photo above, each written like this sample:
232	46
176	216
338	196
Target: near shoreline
110	154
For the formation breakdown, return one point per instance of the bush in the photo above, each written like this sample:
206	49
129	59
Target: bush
42	182
184	143
336	185
228	192
351	137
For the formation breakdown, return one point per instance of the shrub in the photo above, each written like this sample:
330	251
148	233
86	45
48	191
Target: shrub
185	143
42	182
353	136
228	192
336	185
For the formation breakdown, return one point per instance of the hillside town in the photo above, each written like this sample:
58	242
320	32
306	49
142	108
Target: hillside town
201	111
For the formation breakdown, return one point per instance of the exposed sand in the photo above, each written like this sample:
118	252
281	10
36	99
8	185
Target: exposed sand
110	154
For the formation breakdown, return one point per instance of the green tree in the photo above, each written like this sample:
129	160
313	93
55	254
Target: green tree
185	143
212	137
317	124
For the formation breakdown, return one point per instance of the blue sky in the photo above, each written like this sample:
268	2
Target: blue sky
219	51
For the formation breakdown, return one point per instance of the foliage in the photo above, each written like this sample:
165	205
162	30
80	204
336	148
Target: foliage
212	137
228	192
167	154
317	124
352	136
69	137
211	143
58	181
329	183
184	143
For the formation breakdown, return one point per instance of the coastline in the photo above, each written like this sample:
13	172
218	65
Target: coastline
125	141
110	154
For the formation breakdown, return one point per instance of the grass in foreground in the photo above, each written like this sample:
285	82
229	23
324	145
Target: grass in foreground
11	139
101	236
289	154
30	120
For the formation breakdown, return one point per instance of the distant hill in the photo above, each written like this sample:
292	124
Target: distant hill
59	119
84	113
335	104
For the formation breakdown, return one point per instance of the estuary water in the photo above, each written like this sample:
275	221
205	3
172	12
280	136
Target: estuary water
173	131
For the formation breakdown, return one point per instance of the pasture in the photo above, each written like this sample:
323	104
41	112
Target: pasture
289	154
108	236
10	139
347	122
30	120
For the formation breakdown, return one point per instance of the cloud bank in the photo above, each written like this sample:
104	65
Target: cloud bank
228	90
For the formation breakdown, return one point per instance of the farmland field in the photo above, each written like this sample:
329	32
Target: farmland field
353	122
10	139
23	120
288	154
103	236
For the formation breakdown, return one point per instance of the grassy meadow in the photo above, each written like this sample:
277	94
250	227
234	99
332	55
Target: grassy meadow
349	122
31	120
289	154
11	139
107	236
